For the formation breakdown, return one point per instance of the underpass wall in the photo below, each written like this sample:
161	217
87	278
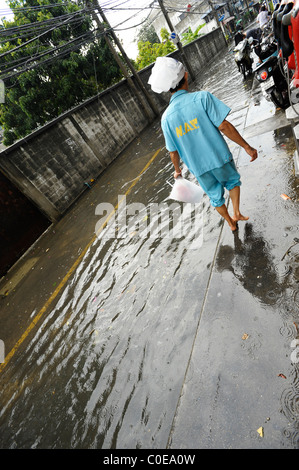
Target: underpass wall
52	165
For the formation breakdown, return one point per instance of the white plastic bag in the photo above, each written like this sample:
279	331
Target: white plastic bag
186	191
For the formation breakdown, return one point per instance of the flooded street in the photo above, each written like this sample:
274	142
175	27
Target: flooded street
133	339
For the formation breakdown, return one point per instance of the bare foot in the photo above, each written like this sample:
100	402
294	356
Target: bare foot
240	217
233	225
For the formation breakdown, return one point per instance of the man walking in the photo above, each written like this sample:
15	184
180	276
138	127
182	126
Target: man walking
192	126
263	17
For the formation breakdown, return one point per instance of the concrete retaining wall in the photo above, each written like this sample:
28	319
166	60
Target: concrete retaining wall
52	165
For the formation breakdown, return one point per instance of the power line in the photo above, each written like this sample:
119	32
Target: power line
88	37
47	61
82	39
36	7
12	29
60	21
39	25
37	37
33	29
116	28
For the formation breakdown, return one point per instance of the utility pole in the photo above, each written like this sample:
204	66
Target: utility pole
179	45
149	99
219	23
210	2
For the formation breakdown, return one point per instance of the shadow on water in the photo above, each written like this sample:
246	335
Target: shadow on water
275	285
104	368
251	262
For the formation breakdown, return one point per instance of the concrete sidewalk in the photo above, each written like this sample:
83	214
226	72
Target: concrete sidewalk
248	332
241	390
146	344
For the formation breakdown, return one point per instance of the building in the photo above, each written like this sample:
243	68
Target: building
184	15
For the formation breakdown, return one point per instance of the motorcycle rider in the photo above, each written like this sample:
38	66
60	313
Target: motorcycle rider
263	17
242	53
255	33
239	36
254	36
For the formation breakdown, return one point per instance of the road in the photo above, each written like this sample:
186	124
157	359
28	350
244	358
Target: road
134	340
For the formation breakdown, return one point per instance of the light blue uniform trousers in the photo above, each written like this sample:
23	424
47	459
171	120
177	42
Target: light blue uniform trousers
214	182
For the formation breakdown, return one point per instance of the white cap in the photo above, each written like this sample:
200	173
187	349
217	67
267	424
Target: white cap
166	74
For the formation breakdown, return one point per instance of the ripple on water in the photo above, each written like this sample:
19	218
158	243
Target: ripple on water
78	382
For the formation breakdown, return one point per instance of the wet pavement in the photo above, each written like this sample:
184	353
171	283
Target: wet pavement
126	341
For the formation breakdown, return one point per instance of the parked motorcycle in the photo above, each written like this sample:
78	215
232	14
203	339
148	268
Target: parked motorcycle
263	47
271	74
273	83
243	58
263	51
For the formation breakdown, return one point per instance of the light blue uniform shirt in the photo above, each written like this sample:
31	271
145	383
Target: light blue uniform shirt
190	126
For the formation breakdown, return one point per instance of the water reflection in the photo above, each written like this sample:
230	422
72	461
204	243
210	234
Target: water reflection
222	78
251	262
290	408
104	369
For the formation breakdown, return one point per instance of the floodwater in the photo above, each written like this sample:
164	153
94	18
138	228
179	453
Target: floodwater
110	362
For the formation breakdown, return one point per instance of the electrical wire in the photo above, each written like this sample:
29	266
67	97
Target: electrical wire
29	31
111	6
43	63
36	37
18	63
116	28
40	25
13	29
36	7
26	60
49	60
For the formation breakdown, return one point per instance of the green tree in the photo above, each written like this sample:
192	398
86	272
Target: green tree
68	63
147	52
190	36
148	34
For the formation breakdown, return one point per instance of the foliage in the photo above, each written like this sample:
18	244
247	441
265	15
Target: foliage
148	34
42	93
147	52
189	36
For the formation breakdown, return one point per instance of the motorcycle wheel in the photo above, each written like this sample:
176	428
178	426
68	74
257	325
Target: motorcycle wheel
243	70
279	99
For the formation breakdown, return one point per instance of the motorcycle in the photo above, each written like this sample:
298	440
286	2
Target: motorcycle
273	83
263	51
243	58
271	73
263	47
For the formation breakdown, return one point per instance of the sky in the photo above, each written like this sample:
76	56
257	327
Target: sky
4	9
123	15
134	17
